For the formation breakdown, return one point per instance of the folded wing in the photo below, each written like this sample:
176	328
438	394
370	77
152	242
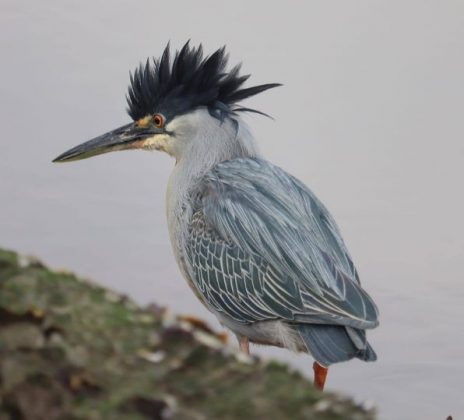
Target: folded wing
262	246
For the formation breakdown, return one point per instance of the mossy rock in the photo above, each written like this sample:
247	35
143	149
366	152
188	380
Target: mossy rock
70	349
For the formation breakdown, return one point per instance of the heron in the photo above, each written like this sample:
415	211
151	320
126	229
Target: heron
255	244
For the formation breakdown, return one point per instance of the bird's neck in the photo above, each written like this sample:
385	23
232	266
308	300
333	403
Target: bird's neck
213	142
214	145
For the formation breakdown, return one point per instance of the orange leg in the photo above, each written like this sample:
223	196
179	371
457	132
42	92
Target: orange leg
244	344
320	374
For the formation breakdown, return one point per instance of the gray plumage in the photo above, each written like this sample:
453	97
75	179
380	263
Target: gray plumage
254	243
261	247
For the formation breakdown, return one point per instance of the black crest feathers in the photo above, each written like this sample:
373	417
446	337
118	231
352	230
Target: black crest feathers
189	81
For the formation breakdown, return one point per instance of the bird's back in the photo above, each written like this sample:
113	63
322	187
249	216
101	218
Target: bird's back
262	248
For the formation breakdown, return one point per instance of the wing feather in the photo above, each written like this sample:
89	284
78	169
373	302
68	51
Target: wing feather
262	246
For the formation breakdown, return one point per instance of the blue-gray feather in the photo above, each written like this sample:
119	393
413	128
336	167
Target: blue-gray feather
333	343
261	247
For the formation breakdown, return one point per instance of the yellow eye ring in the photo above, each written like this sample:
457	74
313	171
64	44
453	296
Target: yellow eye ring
159	120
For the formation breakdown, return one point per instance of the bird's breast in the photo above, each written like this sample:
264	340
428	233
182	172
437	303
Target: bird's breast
179	212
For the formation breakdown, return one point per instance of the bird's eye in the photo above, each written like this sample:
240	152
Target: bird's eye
159	120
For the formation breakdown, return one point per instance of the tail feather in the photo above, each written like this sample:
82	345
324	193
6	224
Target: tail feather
330	344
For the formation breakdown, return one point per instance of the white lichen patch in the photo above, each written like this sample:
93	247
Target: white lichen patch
112	297
152	357
207	339
244	358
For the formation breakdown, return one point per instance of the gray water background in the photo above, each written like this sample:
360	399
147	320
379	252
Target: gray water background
370	117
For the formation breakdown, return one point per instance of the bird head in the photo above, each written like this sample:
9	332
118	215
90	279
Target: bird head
170	99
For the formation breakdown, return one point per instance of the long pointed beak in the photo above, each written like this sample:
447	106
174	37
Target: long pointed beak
128	136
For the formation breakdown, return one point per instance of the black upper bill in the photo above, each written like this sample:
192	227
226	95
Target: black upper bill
118	139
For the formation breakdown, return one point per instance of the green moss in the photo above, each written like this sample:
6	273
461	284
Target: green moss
8	259
70	349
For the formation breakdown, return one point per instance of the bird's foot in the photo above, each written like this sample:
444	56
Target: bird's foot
320	374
